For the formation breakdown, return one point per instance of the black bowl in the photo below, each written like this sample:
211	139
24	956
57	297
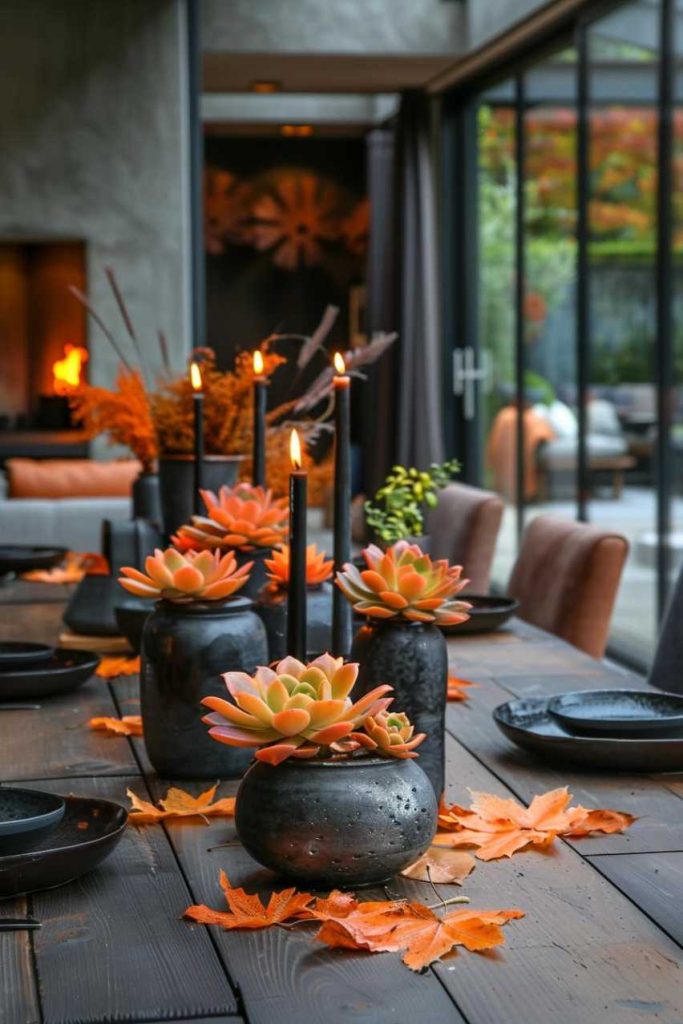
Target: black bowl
64	671
24	558
131	618
19	654
487	613
26	817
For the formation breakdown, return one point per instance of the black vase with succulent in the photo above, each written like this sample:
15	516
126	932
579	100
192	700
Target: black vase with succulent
404	597
397	512
335	797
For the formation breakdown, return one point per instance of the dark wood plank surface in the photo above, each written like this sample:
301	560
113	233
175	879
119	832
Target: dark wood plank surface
653	881
18	996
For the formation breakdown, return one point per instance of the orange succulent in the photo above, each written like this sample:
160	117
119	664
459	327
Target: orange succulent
318	568
243	517
393	734
193	576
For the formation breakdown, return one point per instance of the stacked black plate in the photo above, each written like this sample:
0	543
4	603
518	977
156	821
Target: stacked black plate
619	730
29	670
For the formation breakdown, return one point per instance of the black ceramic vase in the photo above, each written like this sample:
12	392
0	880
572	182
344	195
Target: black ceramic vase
336	824
176	484
185	649
271	607
145	494
91	607
411	657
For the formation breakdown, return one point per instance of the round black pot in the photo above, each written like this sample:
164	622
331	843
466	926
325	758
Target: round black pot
258	576
272	609
336	824
176	484
411	657
185	649
131	615
146	501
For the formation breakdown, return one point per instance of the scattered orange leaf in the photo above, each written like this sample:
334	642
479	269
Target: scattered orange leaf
179	804
499	827
443	866
115	665
129	725
247	911
72	569
457	688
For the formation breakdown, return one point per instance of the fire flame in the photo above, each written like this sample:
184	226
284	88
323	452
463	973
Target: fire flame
66	372
195	377
295	450
258	363
339	364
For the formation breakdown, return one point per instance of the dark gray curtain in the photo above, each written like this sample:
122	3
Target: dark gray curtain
420	413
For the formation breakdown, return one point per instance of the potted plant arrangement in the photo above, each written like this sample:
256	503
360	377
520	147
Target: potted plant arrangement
398	508
245	519
405	596
271	604
334	798
197	628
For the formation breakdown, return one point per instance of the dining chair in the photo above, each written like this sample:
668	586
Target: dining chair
463	528
667	668
566	579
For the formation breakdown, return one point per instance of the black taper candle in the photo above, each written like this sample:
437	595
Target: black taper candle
341	609
259	452
198	401
296	595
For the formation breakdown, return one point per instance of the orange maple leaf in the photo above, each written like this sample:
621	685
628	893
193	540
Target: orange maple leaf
129	725
247	911
179	804
115	665
443	866
457	688
499	827
75	566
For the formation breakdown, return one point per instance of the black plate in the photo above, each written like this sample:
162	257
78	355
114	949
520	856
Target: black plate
529	725
18	654
618	712
63	672
21	558
27	816
486	614
88	832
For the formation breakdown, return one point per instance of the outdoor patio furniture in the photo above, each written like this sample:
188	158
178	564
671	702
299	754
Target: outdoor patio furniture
463	529
566	579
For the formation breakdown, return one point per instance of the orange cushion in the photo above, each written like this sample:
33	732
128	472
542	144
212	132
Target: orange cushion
70	478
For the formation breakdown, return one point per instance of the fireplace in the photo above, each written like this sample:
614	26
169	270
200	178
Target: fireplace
43	343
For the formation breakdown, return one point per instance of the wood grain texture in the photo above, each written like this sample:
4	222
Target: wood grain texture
25	592
36	622
18	997
112	945
653	881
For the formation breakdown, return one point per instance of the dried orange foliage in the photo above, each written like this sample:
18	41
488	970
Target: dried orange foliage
179	804
320	474
376	926
228	405
123	414
129	725
444	867
247	911
499	827
457	688
113	666
75	566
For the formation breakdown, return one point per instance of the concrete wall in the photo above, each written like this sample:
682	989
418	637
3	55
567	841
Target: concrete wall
489	18
93	146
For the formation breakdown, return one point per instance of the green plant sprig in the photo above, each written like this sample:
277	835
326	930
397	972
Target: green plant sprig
398	508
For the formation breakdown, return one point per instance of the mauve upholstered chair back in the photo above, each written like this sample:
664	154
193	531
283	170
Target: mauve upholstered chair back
566	579
463	528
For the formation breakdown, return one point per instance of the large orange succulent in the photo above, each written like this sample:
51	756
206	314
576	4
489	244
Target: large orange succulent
318	568
181	578
244	517
403	582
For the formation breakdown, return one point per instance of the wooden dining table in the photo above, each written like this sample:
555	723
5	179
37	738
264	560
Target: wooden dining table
600	942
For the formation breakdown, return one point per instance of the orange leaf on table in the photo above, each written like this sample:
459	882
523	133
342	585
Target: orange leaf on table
500	826
72	569
445	867
179	804
129	725
113	666
457	688
247	911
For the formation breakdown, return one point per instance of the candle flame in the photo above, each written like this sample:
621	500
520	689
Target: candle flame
258	363
195	377
339	364
295	450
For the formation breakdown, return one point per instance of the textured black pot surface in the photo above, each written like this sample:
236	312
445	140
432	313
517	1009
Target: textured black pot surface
185	649
412	657
272	609
336	824
146	501
258	574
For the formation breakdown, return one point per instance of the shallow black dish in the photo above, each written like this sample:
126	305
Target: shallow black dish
20	654
88	832
618	712
27	817
64	671
486	614
131	617
24	558
529	724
